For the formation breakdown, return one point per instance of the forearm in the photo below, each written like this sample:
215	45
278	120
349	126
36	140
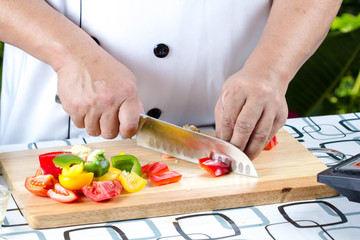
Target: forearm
35	27
294	30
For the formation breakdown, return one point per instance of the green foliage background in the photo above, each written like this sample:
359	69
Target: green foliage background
329	82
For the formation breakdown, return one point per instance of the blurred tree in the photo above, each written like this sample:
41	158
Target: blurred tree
329	82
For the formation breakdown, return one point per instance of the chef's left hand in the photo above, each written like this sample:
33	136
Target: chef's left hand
252	105
250	110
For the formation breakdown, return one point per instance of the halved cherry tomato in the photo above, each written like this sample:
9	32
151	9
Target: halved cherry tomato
214	167
165	178
155	168
40	184
61	194
273	142
100	191
132	182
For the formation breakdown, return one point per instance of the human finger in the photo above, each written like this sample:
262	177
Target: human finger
92	122
109	124
129	115
230	106
260	135
245	123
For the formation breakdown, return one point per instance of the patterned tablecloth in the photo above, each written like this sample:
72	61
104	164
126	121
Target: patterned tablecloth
329	218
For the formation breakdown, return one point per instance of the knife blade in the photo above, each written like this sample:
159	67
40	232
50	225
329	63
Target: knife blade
190	146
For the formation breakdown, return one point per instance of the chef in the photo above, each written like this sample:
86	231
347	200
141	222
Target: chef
206	62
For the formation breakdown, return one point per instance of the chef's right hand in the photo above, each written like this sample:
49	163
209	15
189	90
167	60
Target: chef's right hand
99	93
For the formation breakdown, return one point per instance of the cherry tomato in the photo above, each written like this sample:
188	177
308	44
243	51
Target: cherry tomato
100	191
61	194
40	184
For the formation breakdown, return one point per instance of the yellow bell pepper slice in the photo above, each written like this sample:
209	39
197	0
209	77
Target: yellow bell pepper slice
76	169
74	178
131	181
109	176
76	182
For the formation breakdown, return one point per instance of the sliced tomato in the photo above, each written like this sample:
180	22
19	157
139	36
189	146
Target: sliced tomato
273	142
40	184
38	172
155	168
165	178
214	167
61	194
100	191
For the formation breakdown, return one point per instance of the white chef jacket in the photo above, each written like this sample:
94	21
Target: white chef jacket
181	52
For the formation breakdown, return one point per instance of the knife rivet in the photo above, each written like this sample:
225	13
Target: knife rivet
247	169
240	167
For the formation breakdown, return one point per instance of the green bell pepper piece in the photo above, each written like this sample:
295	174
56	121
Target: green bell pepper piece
65	160
128	163
97	163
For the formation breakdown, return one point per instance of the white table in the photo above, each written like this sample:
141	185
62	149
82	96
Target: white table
329	218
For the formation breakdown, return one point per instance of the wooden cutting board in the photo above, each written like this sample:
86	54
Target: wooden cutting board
286	173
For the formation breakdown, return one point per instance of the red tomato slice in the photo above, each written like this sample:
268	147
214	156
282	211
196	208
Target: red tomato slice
155	168
214	167
100	191
61	194
40	184
38	172
165	178
273	142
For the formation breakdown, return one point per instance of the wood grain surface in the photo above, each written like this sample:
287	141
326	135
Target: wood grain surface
286	173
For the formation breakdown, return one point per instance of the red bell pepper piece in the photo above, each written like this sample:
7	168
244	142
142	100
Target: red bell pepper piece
214	167
166	156
165	178
155	168
47	165
273	142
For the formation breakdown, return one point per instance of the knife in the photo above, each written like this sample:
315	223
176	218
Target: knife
190	146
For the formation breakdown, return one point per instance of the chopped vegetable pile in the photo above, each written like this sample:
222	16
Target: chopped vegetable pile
66	175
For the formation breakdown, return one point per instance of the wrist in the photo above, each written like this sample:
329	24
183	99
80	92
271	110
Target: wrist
267	71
